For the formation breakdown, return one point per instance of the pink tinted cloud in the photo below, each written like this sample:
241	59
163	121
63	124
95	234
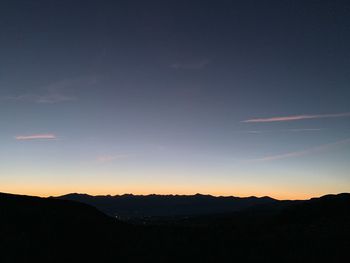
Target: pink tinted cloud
285	130
298	117
46	136
312	150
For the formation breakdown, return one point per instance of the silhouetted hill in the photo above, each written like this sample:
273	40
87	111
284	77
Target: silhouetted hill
49	230
138	206
36	229
328	207
17	207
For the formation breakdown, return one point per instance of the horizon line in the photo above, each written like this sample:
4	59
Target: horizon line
185	195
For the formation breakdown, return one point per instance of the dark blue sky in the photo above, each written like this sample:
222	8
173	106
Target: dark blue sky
221	97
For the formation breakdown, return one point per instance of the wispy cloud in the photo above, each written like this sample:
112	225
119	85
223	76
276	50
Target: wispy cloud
308	151
46	136
200	64
56	92
48	98
110	158
298	117
284	130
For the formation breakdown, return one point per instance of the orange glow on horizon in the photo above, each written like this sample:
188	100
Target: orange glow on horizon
54	191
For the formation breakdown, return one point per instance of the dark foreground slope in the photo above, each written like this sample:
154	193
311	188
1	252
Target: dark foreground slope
49	230
36	229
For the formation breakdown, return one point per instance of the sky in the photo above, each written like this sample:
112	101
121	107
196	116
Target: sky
175	97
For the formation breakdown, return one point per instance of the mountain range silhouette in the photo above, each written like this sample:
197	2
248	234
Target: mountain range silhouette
34	229
130	206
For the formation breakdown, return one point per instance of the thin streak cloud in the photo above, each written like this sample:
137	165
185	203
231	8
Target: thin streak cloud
284	130
309	151
48	136
297	117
